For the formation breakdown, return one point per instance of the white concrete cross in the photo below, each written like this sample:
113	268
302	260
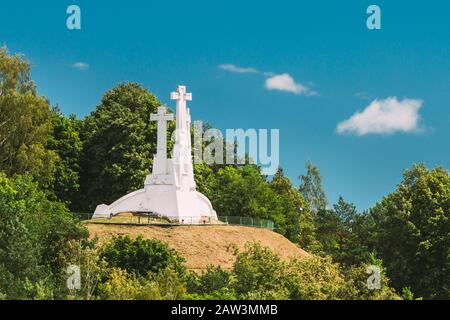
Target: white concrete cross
162	117
182	123
181	94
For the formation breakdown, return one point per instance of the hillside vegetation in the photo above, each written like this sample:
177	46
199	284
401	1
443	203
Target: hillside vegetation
202	246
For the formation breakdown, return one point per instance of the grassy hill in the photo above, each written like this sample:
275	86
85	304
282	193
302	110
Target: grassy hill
203	245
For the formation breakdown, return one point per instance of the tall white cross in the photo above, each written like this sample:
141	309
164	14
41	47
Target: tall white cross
182	114
181	95
162	117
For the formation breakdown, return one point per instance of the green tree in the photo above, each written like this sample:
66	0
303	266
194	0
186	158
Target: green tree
24	122
313	278
298	222
19	258
141	256
344	233
213	284
33	234
261	274
412	232
258	272
66	143
243	191
169	284
205	178
122	285
312	190
330	233
119	144
214	279
356	287
93	269
346	212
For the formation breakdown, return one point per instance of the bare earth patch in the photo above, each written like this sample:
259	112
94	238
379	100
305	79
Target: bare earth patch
204	245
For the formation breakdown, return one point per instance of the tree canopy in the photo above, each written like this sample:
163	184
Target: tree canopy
24	122
412	229
311	188
119	142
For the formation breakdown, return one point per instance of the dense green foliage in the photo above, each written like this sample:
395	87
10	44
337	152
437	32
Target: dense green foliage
344	234
121	285
65	141
409	230
119	143
141	256
296	218
24	122
312	190
141	269
50	162
412	232
34	233
259	273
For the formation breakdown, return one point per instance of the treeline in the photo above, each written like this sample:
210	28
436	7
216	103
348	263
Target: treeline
51	164
39	240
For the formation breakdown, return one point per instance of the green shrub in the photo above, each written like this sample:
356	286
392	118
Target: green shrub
122	285
34	232
141	256
214	279
257	269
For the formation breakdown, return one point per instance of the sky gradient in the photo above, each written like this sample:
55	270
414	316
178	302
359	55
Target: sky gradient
303	67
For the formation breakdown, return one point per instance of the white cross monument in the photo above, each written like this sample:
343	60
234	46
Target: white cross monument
160	160
170	190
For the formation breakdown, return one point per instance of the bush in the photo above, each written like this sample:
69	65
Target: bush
141	256
261	274
214	284
33	234
257	269
357	289
122	285
214	279
313	278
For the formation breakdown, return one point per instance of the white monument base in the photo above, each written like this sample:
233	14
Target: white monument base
185	207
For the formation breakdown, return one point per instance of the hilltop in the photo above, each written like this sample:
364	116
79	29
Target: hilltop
203	245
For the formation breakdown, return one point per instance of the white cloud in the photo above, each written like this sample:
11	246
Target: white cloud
237	69
284	82
82	66
384	117
281	82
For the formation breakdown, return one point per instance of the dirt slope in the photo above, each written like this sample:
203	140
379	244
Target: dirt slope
204	245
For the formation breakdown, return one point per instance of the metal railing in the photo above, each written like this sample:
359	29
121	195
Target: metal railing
143	219
134	220
248	221
152	220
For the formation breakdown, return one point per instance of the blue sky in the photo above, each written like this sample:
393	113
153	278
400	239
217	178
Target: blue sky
322	47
